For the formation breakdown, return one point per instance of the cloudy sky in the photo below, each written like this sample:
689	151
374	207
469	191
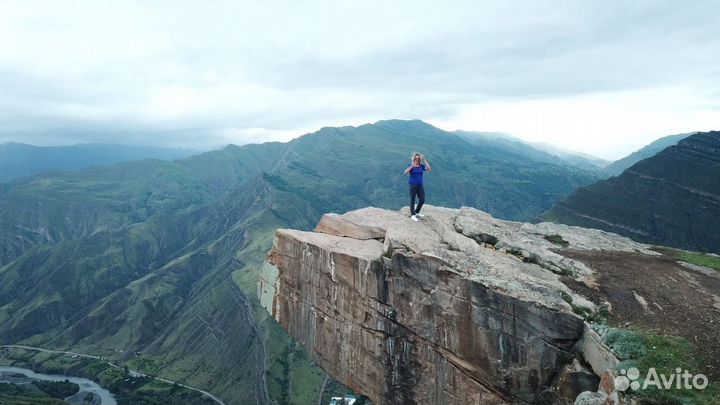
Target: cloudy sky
602	77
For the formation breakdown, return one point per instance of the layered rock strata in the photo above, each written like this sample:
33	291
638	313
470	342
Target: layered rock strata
459	308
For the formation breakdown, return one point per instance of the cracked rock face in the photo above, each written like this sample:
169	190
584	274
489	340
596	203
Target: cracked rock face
459	308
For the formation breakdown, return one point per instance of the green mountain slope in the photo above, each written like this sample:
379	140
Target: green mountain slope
647	151
672	198
368	162
20	160
53	207
536	151
153	263
155	289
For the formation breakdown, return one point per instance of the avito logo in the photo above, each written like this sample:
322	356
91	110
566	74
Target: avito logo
681	379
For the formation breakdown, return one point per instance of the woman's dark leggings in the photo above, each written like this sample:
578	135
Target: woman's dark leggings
420	192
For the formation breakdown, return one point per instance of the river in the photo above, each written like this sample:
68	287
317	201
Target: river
86	385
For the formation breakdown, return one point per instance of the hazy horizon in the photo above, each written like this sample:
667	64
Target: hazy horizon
202	150
596	78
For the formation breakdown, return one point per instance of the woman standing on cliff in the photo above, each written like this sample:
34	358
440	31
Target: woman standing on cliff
416	170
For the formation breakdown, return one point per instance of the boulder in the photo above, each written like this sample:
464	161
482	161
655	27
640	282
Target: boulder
366	223
573	379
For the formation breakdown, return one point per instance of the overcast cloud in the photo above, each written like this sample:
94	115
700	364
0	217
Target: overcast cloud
601	77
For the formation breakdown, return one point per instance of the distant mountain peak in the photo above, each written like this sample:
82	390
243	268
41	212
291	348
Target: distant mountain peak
401	121
645	152
409	124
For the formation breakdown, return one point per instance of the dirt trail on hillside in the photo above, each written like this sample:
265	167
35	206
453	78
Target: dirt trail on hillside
658	294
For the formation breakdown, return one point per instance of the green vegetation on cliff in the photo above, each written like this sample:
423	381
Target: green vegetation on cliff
664	354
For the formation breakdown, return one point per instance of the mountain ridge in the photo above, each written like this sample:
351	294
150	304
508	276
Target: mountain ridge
19	160
546	152
617	167
671	198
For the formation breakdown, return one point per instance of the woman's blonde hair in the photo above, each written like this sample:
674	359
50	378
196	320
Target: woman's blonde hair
412	157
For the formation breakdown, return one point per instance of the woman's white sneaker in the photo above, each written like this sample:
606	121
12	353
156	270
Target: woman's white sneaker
420	215
414	218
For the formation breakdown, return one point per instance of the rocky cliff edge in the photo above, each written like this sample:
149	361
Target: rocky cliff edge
459	308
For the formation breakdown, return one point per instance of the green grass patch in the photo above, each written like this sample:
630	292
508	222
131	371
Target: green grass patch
626	344
147	365
665	354
557	240
306	378
700	259
584	312
601	315
156	386
566	297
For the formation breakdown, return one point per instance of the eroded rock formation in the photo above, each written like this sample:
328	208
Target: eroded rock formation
459	308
